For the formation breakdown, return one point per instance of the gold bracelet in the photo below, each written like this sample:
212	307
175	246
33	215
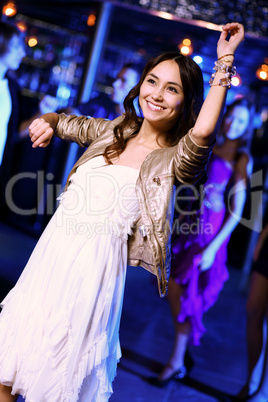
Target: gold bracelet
229	54
224	82
227	61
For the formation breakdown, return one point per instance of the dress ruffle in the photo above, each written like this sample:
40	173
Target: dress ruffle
57	344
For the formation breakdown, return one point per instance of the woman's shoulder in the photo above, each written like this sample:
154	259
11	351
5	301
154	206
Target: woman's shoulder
244	161
243	155
106	123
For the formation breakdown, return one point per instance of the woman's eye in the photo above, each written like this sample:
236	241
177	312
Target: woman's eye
151	81
173	89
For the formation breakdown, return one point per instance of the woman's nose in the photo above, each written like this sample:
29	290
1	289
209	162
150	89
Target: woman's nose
157	95
233	125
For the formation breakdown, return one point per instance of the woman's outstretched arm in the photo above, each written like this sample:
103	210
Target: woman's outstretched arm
209	118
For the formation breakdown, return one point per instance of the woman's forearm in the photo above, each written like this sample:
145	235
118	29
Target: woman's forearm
209	118
233	216
226	230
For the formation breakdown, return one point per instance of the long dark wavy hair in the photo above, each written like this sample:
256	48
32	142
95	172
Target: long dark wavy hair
193	90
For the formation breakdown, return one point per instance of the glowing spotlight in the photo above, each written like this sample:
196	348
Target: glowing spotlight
56	70
185	50
213	27
264	67
91	20
63	92
198	59
21	25
186	42
9	10
262	74
165	15
236	81
32	41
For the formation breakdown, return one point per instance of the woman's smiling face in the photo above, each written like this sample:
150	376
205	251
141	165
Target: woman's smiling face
161	95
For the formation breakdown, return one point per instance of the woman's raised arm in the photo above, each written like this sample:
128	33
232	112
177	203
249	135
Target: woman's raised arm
209	118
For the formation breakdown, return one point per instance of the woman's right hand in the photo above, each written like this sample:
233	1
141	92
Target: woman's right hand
41	133
237	35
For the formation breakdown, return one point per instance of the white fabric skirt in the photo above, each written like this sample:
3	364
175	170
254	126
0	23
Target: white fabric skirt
59	327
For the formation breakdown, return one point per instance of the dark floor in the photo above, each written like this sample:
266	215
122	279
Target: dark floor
147	331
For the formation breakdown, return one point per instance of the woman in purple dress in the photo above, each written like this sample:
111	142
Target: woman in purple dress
198	270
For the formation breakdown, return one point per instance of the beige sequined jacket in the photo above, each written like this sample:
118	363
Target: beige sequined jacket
149	245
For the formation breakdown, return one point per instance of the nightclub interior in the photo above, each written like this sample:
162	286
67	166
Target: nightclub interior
74	51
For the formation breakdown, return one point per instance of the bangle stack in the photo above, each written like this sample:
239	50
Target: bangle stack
228	71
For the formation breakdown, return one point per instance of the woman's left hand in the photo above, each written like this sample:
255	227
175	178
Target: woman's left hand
207	258
237	35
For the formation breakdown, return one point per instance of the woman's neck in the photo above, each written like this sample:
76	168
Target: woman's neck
150	136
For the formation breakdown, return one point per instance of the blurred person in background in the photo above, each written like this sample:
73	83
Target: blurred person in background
198	267
126	79
257	314
13	125
110	106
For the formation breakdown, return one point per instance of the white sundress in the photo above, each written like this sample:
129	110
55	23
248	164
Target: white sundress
59	327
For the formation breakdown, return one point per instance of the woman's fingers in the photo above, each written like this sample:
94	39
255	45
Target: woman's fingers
40	133
236	31
231	25
41	141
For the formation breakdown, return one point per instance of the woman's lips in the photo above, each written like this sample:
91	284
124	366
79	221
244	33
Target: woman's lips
154	107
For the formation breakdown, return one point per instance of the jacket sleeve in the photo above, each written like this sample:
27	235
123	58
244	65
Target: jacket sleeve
191	159
81	129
